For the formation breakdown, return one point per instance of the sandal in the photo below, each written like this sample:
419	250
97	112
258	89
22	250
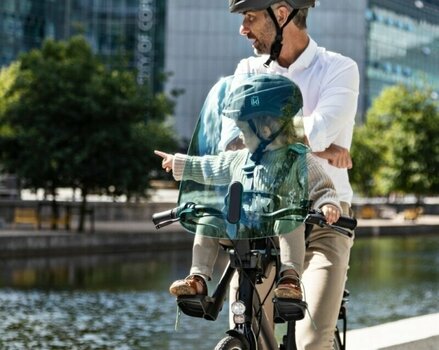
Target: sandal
288	287
191	285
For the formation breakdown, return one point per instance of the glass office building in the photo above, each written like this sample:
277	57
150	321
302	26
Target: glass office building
402	45
392	41
125	33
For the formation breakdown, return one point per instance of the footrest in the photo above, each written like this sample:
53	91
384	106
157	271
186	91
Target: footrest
288	310
197	306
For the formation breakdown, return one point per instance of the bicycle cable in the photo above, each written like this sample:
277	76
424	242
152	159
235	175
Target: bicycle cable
258	313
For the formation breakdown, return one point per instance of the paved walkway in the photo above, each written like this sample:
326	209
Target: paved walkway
417	333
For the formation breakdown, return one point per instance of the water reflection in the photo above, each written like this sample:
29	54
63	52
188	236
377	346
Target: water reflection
98	302
121	301
393	278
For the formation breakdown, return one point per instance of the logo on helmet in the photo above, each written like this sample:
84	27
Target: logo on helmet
254	101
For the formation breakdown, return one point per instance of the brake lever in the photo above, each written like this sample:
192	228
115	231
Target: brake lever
166	223
341	230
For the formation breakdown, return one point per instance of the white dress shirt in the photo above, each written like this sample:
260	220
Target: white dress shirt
329	83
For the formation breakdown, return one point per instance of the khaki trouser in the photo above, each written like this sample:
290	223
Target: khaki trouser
323	278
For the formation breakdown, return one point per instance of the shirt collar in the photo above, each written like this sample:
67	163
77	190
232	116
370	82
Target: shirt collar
304	60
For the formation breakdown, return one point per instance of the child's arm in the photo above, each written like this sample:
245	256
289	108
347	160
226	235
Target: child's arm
208	169
321	190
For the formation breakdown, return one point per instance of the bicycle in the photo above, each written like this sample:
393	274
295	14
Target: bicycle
252	258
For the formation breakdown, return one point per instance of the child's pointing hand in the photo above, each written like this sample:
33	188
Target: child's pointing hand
168	160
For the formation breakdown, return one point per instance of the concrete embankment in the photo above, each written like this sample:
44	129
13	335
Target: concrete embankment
108	237
120	236
122	227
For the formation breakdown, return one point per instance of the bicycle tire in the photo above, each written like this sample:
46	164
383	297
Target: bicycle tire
231	343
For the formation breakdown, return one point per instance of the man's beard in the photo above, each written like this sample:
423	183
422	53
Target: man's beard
261	51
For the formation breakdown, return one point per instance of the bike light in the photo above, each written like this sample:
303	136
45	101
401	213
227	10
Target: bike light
238	308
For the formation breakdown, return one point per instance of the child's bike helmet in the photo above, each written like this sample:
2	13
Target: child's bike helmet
263	95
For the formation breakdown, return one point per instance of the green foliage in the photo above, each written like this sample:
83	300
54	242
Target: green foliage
367	160
78	124
8	76
397	150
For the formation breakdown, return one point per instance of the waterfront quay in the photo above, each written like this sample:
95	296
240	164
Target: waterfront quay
123	236
122	228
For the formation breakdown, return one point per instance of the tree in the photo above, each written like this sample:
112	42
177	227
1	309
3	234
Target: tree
79	124
401	144
366	155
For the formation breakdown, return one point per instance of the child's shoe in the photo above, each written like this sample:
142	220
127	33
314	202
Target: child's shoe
288	287
191	285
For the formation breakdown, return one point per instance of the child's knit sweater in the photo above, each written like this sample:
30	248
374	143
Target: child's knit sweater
306	179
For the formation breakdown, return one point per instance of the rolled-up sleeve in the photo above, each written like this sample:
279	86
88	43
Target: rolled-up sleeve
336	107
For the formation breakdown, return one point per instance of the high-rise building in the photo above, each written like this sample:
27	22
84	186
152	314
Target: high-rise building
197	41
125	33
402	45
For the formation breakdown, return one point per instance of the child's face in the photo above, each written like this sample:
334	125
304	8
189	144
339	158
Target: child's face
251	141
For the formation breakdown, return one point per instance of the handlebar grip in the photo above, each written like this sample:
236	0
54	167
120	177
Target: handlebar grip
317	218
346	222
165	218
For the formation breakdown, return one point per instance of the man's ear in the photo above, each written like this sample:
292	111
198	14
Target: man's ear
282	14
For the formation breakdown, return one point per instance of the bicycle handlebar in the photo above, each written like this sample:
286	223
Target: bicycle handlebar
314	217
165	218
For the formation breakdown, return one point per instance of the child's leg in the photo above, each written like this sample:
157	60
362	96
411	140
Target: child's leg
292	254
204	254
292	251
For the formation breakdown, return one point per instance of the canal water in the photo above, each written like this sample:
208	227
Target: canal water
121	301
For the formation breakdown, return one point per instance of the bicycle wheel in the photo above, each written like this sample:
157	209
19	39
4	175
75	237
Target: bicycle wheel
231	343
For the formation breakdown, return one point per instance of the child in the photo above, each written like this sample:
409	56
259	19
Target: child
263	107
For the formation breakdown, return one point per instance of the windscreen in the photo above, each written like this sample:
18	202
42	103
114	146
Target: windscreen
275	187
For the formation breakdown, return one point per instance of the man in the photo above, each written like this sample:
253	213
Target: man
329	83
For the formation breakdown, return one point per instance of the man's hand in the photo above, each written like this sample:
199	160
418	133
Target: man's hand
337	156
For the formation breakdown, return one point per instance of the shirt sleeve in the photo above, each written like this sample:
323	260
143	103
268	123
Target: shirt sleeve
336	107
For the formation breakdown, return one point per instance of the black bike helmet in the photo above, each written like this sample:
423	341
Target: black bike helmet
256	5
262	95
241	6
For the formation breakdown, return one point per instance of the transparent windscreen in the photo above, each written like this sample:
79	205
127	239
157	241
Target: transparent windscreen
275	190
